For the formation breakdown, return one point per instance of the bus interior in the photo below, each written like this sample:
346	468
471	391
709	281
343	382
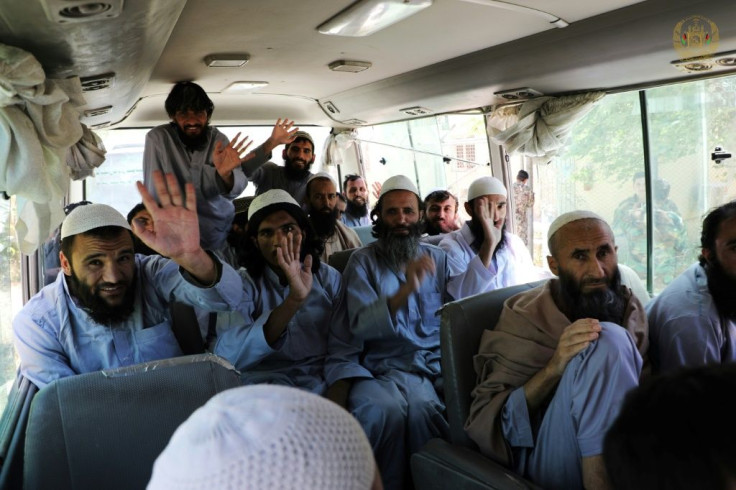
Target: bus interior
616	93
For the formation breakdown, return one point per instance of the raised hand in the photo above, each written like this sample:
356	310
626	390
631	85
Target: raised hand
487	212
283	133
377	189
231	156
419	269
298	274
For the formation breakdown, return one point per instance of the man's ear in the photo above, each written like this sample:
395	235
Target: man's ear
707	254
468	209
283	153
66	265
553	266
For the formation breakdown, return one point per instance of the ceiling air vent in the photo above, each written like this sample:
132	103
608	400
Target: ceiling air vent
715	62
331	108
100	111
354	122
416	111
97	82
519	93
68	11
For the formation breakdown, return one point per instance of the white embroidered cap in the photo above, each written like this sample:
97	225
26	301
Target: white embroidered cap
486	186
274	197
266	437
566	218
91	216
322	175
399	183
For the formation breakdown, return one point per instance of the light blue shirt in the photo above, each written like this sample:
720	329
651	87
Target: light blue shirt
55	337
165	151
410	341
314	350
354	221
685	329
512	265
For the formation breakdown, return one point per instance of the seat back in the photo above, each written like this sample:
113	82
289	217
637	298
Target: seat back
105	429
364	233
339	260
462	326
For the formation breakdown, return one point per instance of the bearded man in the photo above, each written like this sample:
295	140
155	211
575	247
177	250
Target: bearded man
396	285
110	307
321	204
554	371
483	255
693	321
356	193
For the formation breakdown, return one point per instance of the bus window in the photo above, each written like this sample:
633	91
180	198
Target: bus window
11	299
441	152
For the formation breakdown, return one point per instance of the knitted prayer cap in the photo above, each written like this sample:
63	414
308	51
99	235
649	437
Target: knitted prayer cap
274	199
486	186
399	183
566	218
302	135
91	216
266	437
321	175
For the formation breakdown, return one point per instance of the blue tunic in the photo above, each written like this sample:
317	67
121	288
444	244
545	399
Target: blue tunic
314	350
165	151
685	329
56	338
354	221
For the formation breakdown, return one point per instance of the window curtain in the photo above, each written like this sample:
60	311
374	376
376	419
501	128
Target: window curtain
539	128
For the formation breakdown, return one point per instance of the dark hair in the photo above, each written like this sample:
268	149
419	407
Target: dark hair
661	189
136	209
440	196
250	257
349	178
675	431
342	197
711	226
376	215
103	232
187	96
523	175
73	205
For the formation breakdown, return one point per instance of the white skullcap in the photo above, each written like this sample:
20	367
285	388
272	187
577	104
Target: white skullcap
566	218
486	186
274	197
266	437
399	183
321	175
91	216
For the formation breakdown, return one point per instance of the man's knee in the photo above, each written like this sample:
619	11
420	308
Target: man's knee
614	345
377	407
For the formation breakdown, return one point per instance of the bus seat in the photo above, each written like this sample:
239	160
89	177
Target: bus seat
364	233
457	463
339	260
105	429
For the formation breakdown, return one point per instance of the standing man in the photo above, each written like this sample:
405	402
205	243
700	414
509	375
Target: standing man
110	307
523	203
291	329
356	192
298	159
483	256
397	284
555	369
693	321
440	215
193	151
322	208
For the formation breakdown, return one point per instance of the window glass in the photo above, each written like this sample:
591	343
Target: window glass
11	296
595	172
442	152
687	121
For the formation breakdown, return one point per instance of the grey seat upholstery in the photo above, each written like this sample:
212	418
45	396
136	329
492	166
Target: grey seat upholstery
456	463
105	429
339	260
364	233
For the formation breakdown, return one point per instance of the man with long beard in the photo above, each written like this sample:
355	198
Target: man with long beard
298	159
192	150
321	204
356	193
110	307
483	255
554	370
693	321
395	287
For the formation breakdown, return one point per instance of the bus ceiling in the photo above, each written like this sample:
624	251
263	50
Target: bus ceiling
453	55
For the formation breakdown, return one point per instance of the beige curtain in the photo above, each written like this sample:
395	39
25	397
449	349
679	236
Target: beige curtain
539	128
